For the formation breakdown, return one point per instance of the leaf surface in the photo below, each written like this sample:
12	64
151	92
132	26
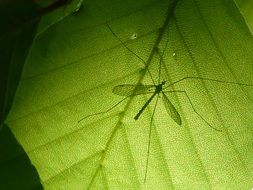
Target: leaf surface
16	36
74	65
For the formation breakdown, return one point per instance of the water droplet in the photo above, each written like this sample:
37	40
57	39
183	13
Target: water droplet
134	36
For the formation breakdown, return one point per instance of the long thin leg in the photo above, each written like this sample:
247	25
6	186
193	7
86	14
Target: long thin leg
184	92
161	59
149	140
131	51
102	112
207	79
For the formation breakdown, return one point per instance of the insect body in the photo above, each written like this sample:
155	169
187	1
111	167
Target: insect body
132	90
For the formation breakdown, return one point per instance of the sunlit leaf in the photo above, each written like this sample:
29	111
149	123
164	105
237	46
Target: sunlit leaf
75	64
246	7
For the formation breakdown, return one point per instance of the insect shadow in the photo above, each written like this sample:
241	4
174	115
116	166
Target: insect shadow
157	89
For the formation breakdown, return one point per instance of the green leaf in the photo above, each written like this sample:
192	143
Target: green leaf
16	35
246	9
16	171
15	40
63	8
75	64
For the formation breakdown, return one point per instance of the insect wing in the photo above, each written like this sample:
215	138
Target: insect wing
171	110
132	90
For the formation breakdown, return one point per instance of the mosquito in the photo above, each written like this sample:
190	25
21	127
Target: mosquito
130	90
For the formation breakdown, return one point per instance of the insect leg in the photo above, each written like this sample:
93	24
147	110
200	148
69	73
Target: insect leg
149	140
161	59
185	93
130	51
207	79
125	44
102	112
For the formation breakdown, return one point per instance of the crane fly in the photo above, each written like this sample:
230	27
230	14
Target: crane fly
129	90
133	90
